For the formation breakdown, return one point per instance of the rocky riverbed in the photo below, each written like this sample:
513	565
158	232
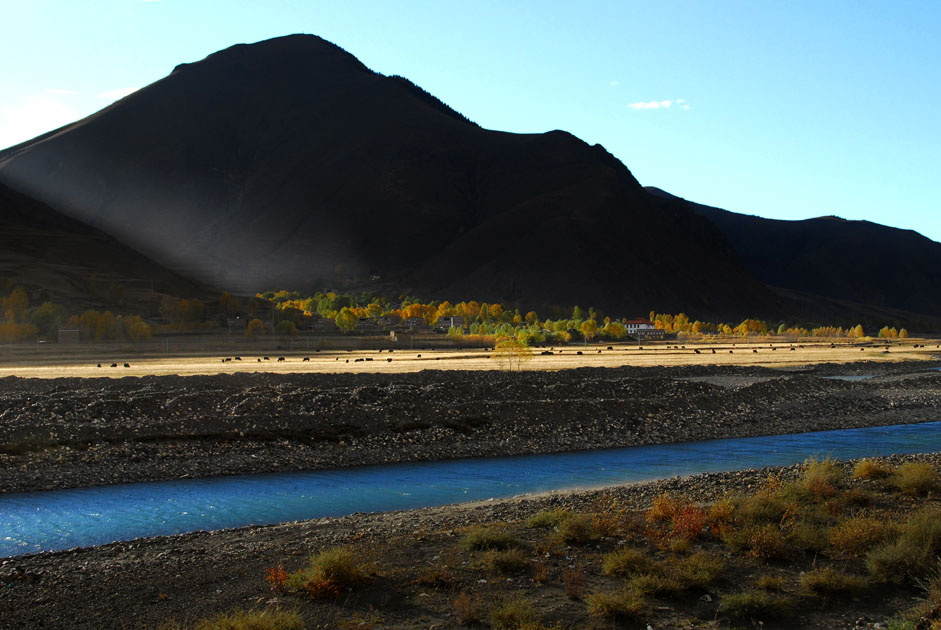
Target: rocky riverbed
63	433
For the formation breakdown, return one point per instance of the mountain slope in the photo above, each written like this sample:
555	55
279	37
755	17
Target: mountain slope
78	265
289	163
832	258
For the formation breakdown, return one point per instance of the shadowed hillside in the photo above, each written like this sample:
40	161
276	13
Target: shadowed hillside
289	163
78	265
828	262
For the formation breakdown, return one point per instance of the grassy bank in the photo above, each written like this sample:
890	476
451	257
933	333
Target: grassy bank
817	548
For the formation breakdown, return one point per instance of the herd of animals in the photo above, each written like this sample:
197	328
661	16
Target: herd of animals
549	352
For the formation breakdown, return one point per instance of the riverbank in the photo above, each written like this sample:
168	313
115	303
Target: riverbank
62	433
147	582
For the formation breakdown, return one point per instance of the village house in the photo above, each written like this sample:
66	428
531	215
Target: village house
641	328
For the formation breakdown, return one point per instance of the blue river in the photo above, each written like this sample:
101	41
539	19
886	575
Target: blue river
62	519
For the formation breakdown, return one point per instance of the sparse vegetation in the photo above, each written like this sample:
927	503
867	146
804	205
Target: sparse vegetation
830	582
915	478
871	469
253	620
756	604
327	575
484	538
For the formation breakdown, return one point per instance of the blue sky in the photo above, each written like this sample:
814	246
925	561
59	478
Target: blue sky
782	109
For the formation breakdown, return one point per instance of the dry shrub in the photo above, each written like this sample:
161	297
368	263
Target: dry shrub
327	575
466	609
512	614
696	571
857	497
574	582
253	620
434	577
276	577
679	546
762	542
576	529
719	517
548	518
860	533
830	582
871	469
915	478
540	572
678	518
755	604
626	562
807	536
819	478
505	562
625	605
484	538
912	556
776	583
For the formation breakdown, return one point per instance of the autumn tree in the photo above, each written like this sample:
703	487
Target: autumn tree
286	328
589	328
903	334
255	329
346	321
511	352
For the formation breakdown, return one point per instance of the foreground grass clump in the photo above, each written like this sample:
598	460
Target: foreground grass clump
857	534
820	478
756	604
871	469
626	605
548	518
626	562
505	562
484	538
327	575
256	620
829	582
912	557
915	478
515	613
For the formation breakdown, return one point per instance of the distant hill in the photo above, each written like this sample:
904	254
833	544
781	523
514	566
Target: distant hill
65	261
287	163
835	263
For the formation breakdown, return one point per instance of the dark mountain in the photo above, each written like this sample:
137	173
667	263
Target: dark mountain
287	163
79	265
831	265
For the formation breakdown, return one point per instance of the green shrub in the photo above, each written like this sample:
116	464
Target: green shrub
764	508
548	518
762	542
654	583
513	614
327	574
807	537
860	533
506	561
912	555
777	583
255	620
915	478
697	571
576	529
624	605
871	469
828	581
482	538
755	604
625	562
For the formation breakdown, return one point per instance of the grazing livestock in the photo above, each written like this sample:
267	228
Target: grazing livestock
266	358
259	360
389	360
755	350
306	359
713	351
238	358
360	360
418	357
99	365
599	351
127	365
369	358
547	353
114	365
610	347
793	348
280	359
696	351
731	352
579	352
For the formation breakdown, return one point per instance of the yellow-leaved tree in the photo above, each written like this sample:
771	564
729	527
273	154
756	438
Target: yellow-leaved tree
511	352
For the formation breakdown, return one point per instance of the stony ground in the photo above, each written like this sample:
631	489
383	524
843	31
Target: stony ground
57	433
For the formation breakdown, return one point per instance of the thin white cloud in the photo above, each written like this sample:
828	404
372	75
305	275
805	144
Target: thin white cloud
30	117
614	83
664	104
59	91
113	95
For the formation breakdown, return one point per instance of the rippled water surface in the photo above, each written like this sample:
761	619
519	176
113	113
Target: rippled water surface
45	521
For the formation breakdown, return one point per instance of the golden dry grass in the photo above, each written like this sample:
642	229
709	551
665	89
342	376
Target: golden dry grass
63	364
